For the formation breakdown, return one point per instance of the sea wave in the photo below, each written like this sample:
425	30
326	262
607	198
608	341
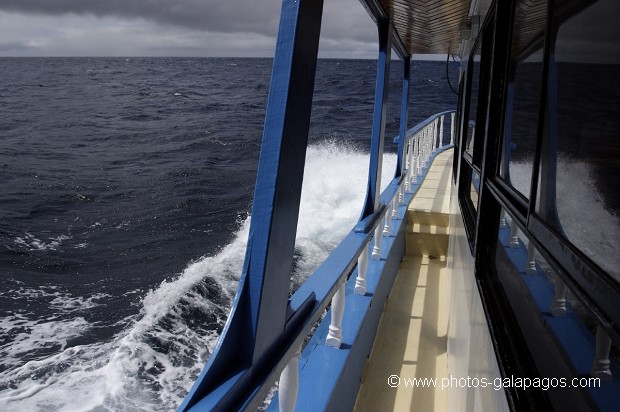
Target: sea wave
153	362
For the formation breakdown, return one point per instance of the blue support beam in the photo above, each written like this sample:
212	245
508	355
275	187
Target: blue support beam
404	110
371	205
262	321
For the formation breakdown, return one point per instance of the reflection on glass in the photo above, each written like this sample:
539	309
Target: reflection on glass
523	95
587	182
473	101
475	188
552	299
522	120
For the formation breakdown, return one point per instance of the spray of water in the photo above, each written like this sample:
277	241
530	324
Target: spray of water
153	362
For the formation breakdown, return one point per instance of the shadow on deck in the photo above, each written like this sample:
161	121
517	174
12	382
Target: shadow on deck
410	351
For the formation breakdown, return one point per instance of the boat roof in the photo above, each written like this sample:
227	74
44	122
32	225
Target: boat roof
422	26
434	26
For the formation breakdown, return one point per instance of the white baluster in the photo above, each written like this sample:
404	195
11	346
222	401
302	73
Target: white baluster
502	221
558	307
416	159
435	134
362	267
289	384
376	249
531	261
423	148
600	367
334	336
429	144
410	176
409	168
441	132
426	140
451	128
414	166
423	143
409	147
419	151
387	226
514	234
401	195
395	206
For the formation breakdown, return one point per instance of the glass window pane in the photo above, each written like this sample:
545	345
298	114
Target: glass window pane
540	295
521	122
474	189
473	101
587	66
523	96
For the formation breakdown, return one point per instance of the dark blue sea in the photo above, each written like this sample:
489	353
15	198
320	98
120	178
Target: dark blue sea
125	192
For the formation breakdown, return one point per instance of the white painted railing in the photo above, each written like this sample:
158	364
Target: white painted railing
418	149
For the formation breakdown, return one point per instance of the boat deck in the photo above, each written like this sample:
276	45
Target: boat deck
410	349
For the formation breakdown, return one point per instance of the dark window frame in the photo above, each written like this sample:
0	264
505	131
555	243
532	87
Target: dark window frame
592	286
595	288
469	164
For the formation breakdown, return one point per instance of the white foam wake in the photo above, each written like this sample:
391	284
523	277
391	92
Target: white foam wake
153	363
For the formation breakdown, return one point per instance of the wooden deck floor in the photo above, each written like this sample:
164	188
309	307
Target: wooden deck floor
411	341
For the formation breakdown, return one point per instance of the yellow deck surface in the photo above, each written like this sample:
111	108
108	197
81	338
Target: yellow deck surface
411	341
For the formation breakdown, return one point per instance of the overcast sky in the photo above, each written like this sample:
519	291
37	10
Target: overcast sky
170	28
229	28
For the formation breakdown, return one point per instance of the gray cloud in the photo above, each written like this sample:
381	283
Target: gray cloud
213	15
229	16
171	27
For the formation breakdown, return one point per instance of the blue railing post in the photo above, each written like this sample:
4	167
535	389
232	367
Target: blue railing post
378	120
404	109
257	329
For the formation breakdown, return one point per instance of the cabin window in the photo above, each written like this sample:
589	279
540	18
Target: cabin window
543	302
473	130
479	70
474	73
579	186
558	146
459	113
525	76
521	122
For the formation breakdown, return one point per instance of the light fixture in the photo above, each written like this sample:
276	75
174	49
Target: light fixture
469	27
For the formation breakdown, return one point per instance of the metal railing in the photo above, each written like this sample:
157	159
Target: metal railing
328	281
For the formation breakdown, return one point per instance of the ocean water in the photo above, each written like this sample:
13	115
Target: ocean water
126	189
